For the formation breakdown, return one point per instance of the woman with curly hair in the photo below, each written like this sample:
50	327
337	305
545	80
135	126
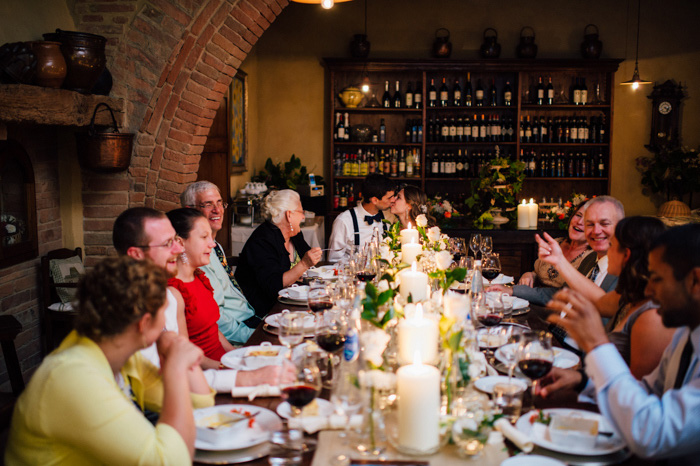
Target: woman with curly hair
410	202
276	255
78	408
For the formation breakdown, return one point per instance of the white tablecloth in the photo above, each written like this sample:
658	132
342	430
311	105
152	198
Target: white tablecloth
314	234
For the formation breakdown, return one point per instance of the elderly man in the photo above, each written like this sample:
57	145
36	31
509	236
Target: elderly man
238	320
602	214
657	416
146	234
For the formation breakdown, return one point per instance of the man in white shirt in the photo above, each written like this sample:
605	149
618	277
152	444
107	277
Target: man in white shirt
355	226
237	319
659	416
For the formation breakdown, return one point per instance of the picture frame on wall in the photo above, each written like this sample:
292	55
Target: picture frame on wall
238	122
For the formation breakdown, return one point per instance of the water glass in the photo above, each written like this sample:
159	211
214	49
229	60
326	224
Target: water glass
508	399
286	447
291	328
475	243
319	297
486	245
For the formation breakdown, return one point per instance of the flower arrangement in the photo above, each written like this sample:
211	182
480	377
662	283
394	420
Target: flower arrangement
497	186
670	173
560	215
443	210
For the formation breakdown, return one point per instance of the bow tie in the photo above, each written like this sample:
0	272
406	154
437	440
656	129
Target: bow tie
370	219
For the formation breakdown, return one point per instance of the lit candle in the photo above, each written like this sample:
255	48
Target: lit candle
418	390
414	283
409	252
409	235
533	211
456	305
523	215
418	335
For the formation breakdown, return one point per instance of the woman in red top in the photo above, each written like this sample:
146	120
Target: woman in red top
201	310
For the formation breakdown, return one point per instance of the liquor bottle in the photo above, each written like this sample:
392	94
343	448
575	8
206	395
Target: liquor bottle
339	127
343	201
416	162
338	163
398	99
409	164
535	131
544	131
432	94
418	95
402	165
601	130
386	98
382	131
351	195
540	92
507	95
576	92
584	170
532	164
364	165
346	165
394	164
468	91
457	94
372	163
444	94
573	133
443	168
601	165
408	103
479	94
494	94
550	92
336	197
584	92
419	140
407	135
511	131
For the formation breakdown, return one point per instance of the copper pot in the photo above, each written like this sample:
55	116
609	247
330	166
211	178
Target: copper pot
50	65
85	57
104	151
490	48
591	47
527	47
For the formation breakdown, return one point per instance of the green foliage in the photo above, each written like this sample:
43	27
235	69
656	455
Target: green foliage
670	173
497	186
288	175
447	277
377	308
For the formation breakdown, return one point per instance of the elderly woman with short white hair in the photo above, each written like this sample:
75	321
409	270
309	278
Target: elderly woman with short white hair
276	255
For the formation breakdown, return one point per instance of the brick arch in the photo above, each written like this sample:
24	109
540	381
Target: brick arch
172	64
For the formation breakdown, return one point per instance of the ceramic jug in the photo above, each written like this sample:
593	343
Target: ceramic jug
591	47
527	47
442	47
490	48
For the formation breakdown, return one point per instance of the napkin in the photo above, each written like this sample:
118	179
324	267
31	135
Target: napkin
254	391
500	280
313	424
520	439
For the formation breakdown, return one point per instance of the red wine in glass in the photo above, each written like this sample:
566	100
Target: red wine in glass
318	306
331	341
535	368
490	320
299	395
490	274
366	276
457	257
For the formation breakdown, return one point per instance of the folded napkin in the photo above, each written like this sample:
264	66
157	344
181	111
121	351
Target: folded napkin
313	424
500	280
256	390
520	439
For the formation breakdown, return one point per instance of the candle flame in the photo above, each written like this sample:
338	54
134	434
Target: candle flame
532	201
524	201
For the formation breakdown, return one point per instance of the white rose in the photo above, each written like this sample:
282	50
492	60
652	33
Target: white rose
443	260
374	343
380	380
447	206
421	220
382	286
11	229
387	239
443	245
434	233
386	253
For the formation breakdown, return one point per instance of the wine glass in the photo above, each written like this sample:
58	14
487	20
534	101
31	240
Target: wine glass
303	387
475	243
368	265
535	357
291	329
319	297
343	293
486	245
510	355
489	314
330	334
458	249
490	266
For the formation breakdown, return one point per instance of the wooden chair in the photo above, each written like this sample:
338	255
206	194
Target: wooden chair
9	329
55	324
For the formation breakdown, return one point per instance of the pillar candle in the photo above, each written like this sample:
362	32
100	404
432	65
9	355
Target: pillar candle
409	251
409	235
523	215
456	305
418	390
533	212
418	336
415	283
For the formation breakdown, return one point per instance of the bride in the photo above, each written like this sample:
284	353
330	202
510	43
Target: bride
409	203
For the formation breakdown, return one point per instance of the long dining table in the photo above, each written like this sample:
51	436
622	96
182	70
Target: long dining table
535	319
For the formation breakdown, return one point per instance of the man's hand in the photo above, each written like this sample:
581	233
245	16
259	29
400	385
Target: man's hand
527	279
557	379
579	317
271	375
502	288
549	250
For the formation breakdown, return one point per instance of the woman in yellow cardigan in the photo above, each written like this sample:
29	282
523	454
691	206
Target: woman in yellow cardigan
82	406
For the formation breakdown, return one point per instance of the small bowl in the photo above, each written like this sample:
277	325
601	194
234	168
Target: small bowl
215	428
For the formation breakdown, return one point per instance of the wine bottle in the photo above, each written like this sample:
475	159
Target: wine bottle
382	130
479	94
432	94
386	98
444	94
398	99
550	92
482	128
457	94
409	164
418	95
408	102
576	92
416	163
452	130
494	94
435	165
402	164
584	92
468	91
336	197
540	92
459	171
347	126
467	129
507	95
459	136
339	127
444	130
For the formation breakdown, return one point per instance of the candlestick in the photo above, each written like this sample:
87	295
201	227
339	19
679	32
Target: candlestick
523	215
409	235
409	252
418	390
414	283
418	335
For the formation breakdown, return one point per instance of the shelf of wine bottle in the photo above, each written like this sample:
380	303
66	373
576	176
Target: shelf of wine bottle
355	178
567	107
470	143
379	110
562	144
378	144
473	108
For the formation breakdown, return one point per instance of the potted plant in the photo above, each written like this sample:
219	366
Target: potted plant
669	175
282	176
497	186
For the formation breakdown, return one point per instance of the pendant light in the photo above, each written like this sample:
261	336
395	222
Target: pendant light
636	81
327	4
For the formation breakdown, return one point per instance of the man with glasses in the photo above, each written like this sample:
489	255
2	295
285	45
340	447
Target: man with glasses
238	319
147	234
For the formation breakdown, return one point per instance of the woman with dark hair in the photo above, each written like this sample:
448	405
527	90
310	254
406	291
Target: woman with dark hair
410	202
639	336
78	408
197	295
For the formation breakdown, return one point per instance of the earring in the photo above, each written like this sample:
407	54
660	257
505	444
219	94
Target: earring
184	258
291	228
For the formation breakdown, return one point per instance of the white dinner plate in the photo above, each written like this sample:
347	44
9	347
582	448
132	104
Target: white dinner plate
539	434
531	460
309	321
563	359
517	303
491	337
325	272
325	409
295	292
293	302
246	359
265	422
486	384
500	280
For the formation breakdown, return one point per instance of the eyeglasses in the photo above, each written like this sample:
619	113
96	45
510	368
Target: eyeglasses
299	212
210	205
168	244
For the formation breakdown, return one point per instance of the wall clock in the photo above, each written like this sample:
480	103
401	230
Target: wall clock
665	115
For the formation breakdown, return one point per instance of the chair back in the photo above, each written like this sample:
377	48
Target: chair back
55	324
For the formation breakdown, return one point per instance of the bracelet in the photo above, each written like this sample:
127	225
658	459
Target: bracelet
584	381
